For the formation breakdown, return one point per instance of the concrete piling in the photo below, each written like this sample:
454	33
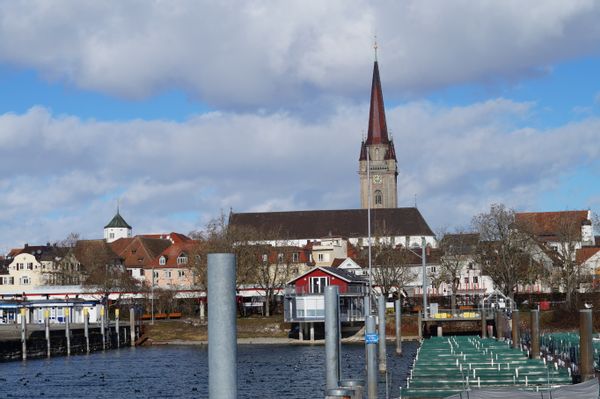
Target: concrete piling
516	334
47	328
382	339
535	334
86	329
222	328
24	333
586	347
68	330
356	386
117	313
398	306
483	322
371	359
332	337
132	326
102	327
499	325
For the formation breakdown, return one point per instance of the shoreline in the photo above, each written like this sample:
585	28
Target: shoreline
270	341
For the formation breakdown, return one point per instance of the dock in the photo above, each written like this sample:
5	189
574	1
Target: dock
449	365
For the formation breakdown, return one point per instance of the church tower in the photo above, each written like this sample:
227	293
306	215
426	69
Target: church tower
117	228
383	168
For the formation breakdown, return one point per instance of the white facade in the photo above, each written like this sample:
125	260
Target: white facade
114	233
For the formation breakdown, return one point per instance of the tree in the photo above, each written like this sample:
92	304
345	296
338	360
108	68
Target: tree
457	250
103	269
503	249
391	271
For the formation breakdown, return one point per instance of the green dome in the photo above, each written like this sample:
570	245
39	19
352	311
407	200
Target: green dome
117	222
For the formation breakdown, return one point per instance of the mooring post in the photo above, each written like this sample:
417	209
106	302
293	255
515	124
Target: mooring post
117	314
222	329
68	330
24	333
47	328
102	327
398	305
483	321
535	334
371	357
382	341
367	312
516	334
586	346
332	337
86	330
420	325
132	326
202	312
499	325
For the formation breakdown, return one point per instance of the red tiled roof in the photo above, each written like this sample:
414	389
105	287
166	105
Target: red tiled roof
549	224
583	254
139	251
173	237
172	252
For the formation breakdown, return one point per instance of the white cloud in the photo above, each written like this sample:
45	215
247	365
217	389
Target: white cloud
274	54
65	174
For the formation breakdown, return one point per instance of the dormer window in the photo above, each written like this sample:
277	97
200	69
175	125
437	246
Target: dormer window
162	261
182	259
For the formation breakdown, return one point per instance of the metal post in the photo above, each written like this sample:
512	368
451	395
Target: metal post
424	263
585	345
222	329
102	327
117	313
47	328
499	325
382	349
369	222
24	333
152	298
535	334
202	311
398	305
420	325
483	321
332	337
86	330
371	360
132	326
516	334
68	330
367	310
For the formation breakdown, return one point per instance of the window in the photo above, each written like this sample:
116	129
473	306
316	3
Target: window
29	266
19	266
466	280
432	269
295	257
155	274
318	284
265	258
280	257
378	197
475	280
181	273
111	235
8	280
321	257
182	259
167	274
162	261
25	280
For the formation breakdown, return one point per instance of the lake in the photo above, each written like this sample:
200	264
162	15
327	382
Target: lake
264	371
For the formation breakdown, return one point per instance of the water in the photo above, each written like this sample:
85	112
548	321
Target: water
264	371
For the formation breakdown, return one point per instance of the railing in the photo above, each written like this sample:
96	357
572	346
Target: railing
350	290
298	310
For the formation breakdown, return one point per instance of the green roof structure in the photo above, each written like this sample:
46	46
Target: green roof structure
117	222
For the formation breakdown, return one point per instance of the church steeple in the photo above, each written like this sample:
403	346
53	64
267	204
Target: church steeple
378	177
377	133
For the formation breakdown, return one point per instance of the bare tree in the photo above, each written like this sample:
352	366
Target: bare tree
503	250
392	271
457	251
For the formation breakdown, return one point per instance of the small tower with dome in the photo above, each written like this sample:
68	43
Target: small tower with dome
117	228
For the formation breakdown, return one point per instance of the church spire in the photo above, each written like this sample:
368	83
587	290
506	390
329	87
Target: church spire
377	133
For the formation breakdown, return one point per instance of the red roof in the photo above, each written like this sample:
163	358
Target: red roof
377	133
550	224
583	254
188	248
173	237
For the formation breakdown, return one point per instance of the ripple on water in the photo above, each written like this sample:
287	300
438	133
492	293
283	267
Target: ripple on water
265	371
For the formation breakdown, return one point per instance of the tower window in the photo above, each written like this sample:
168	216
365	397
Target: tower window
378	197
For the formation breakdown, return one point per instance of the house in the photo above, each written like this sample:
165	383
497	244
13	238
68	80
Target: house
176	266
138	253
304	300
39	265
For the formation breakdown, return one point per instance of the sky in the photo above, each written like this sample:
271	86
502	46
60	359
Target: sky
182	110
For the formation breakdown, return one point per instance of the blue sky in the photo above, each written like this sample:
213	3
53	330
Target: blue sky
181	119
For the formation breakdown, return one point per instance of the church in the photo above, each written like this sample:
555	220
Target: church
378	174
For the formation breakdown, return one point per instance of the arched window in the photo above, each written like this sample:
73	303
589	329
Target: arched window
378	197
182	259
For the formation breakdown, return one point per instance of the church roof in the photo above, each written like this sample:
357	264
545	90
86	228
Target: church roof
377	133
117	222
351	223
